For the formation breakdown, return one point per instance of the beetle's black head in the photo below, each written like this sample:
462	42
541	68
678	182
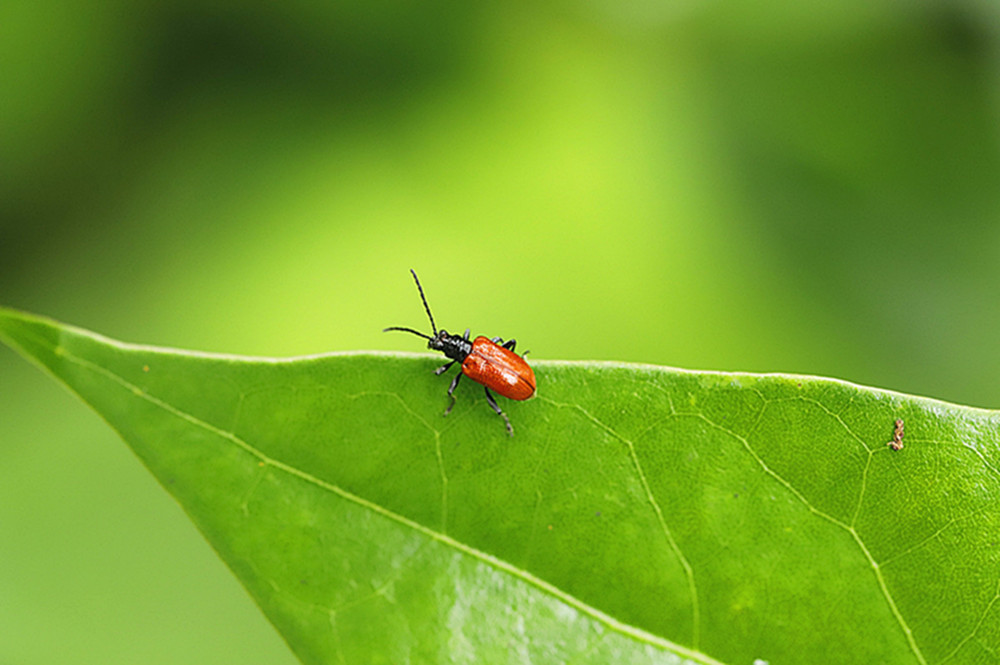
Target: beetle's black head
439	341
453	346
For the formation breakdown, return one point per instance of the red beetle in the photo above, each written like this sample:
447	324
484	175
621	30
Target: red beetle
491	362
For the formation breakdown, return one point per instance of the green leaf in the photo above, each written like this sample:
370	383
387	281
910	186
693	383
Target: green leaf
639	514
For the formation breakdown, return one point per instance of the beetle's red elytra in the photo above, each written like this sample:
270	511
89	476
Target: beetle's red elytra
498	368
491	362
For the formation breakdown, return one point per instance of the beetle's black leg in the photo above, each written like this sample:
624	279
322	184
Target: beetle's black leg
451	392
512	344
496	407
444	368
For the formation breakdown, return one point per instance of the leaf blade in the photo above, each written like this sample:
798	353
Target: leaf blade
628	501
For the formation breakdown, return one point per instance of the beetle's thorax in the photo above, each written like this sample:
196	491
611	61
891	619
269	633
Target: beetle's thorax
453	346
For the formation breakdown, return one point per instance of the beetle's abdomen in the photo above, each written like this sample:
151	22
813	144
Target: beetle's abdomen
498	369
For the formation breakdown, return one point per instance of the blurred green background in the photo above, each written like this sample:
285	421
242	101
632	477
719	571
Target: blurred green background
764	186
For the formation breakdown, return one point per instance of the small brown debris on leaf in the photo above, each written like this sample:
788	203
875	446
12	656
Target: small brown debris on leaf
897	437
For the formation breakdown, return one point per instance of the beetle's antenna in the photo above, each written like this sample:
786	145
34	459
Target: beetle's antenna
426	307
409	330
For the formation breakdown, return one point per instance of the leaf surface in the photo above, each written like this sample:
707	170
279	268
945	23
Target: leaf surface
640	514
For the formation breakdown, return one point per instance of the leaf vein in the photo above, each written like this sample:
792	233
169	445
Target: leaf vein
908	633
975	629
438	453
658	512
